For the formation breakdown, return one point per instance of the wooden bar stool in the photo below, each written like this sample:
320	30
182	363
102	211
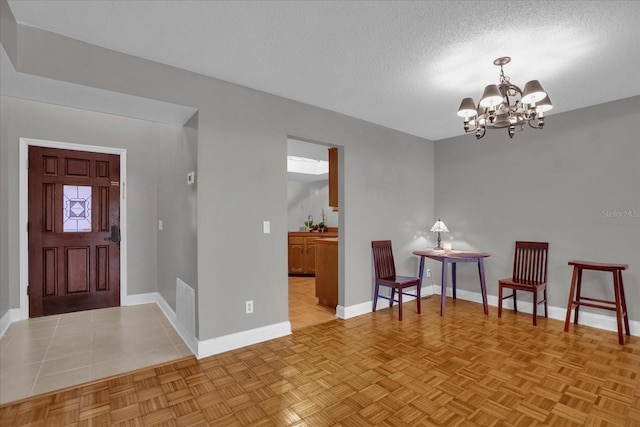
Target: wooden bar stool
619	305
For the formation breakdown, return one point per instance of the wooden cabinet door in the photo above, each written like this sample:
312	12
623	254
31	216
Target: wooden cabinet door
310	257
74	220
327	274
296	255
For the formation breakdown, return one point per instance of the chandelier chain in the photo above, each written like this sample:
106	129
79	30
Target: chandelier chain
503	78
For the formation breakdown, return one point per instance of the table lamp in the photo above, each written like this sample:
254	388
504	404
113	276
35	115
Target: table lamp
439	227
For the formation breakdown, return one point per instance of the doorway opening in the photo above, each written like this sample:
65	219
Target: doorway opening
75	267
312	223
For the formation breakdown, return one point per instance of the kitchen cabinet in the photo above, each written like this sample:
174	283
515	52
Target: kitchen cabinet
327	272
333	178
302	252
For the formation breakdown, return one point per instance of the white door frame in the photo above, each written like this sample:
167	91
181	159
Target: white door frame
23	190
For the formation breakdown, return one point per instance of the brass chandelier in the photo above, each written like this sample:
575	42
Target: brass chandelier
505	106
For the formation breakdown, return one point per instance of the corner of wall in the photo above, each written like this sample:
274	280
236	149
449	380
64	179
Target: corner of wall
9	32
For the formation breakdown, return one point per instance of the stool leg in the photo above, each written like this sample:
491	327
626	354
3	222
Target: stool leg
624	304
574	280
616	286
577	296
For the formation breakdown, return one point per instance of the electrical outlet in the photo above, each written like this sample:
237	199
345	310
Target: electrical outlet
428	272
249	307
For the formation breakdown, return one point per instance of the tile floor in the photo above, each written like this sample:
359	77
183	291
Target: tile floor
49	353
53	352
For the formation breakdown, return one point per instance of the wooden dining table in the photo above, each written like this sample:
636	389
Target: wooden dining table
453	257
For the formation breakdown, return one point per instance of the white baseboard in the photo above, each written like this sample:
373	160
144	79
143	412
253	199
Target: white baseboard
215	345
367	307
12	315
353	310
594	320
138	299
188	339
241	339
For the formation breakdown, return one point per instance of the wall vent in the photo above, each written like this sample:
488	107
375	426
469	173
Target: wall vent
186	307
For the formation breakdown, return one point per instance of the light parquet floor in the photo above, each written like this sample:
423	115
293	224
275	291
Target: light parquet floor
465	369
304	309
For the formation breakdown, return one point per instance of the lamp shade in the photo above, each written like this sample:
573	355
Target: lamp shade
467	108
491	96
439	227
533	92
544	105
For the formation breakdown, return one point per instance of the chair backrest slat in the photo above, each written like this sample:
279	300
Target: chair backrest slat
383	259
530	262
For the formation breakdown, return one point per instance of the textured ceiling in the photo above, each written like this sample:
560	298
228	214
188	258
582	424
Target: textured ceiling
404	65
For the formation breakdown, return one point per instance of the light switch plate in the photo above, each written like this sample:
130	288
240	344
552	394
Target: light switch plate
160	224
266	227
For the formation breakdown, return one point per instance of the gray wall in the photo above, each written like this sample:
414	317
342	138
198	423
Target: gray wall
5	287
8	31
30	119
242	145
241	163
177	208
309	198
563	185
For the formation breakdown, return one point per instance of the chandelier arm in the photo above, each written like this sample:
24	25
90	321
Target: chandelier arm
535	127
475	127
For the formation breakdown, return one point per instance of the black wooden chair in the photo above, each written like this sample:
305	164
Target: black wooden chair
385	272
529	274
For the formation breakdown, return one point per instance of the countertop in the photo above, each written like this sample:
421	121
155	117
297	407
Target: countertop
317	234
328	240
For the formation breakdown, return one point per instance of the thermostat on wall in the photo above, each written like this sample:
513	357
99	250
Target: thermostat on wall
191	178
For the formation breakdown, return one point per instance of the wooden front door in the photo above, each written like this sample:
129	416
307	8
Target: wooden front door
74	234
